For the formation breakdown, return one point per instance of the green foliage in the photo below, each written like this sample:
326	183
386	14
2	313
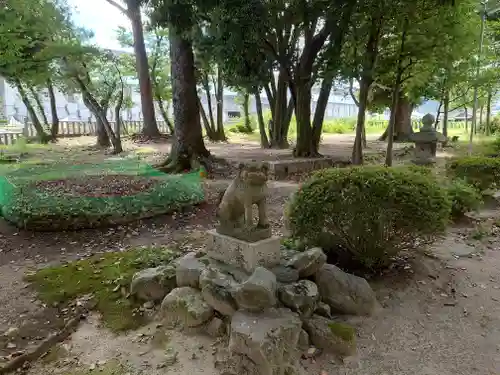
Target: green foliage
479	171
241	127
368	214
102	276
344	331
26	205
464	197
495	125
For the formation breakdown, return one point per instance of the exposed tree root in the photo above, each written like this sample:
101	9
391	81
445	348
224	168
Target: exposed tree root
43	347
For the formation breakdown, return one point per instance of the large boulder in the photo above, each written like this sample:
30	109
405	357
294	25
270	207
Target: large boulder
308	262
152	284
216	289
185	306
333	337
301	297
264	343
345	293
258	292
188	271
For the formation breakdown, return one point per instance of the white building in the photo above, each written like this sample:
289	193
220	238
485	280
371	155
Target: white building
71	107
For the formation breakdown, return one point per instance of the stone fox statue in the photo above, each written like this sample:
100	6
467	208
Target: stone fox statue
236	203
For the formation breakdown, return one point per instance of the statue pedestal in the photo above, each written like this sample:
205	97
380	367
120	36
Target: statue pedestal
243	254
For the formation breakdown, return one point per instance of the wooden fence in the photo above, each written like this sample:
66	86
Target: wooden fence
9	134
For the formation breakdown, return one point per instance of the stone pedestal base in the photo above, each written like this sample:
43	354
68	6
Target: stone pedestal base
243	254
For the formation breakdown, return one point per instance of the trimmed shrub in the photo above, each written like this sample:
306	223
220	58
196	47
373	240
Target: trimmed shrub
363	216
479	171
464	198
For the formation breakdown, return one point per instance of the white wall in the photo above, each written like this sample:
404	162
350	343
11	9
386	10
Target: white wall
71	107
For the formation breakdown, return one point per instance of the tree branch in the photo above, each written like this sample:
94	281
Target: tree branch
119	7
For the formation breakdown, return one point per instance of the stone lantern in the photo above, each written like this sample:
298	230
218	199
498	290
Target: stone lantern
426	141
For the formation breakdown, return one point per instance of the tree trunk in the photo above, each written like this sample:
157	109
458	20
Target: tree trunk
466	119
286	126
39	105
305	146
164	114
270	99
399	104
280	112
488	113
445	114
264	142
357	150
246	111
319	113
481	111
402	125
206	123
103	140
150	127
116	137
438	114
208	94
219	96
54	130
188	150
40	132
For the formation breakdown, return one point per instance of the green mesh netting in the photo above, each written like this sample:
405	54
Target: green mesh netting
59	196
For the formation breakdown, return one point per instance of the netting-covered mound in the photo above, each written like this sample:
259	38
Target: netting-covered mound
60	196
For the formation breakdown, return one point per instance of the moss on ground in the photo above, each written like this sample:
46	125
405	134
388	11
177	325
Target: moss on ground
107	277
344	331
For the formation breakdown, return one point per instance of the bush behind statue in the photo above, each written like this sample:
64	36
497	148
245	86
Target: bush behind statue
464	198
363	216
480	171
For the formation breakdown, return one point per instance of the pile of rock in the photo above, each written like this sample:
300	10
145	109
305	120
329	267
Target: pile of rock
270	314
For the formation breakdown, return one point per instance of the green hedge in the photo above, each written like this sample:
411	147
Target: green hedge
481	171
363	216
464	198
27	205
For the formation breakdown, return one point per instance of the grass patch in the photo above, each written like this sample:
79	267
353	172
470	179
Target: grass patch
107	277
344	331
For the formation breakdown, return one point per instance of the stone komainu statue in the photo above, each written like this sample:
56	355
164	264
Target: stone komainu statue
235	212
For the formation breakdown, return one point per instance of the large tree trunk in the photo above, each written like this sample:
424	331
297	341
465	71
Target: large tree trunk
488	113
40	132
264	142
103	140
188	150
319	113
54	129
150	127
402	124
357	151
305	146
219	96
